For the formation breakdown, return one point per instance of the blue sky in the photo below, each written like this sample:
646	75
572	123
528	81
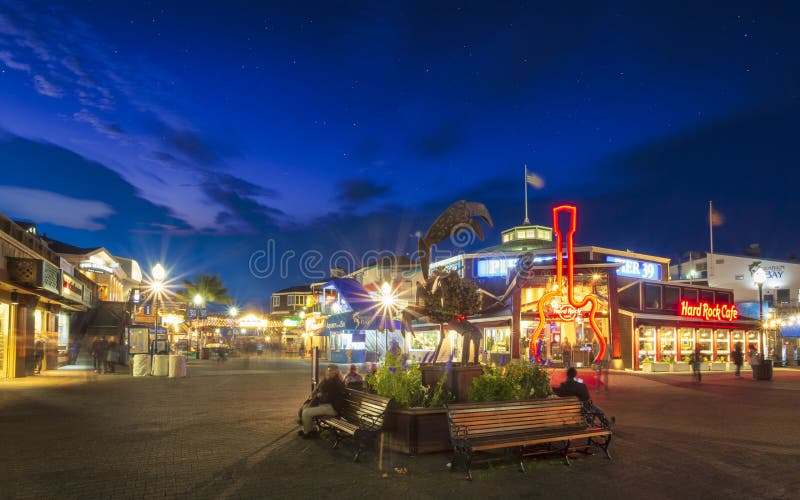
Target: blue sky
196	133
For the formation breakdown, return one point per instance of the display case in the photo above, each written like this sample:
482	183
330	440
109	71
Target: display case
705	341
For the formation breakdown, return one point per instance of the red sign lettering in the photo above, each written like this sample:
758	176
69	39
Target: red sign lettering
706	311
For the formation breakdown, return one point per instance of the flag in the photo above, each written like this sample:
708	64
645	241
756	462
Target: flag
534	180
717	219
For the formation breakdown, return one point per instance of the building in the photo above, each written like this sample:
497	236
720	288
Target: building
39	292
780	292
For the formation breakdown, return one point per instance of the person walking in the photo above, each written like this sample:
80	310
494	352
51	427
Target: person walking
738	358
38	355
696	364
74	350
96	356
755	360
566	353
112	356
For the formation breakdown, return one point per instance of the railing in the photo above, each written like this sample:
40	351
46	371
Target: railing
29	240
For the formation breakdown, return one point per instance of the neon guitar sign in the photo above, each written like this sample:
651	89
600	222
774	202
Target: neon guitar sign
590	300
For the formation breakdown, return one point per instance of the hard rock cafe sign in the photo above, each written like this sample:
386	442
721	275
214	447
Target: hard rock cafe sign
706	311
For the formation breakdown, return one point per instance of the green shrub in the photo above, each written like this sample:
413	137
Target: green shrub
518	380
405	386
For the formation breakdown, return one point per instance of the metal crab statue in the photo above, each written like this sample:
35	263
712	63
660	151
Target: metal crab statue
457	216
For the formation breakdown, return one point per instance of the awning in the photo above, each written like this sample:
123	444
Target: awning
353	293
359	321
792	331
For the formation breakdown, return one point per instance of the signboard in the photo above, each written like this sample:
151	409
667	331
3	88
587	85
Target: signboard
71	288
704	310
50	277
95	267
139	339
636	268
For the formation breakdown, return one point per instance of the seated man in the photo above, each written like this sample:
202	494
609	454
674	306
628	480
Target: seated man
578	389
326	399
353	378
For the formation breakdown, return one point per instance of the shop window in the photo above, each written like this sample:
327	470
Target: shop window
424	341
723	298
647	343
276	301
707	296
686	342
783	296
497	340
652	296
672	297
723	346
704	340
690	294
666	340
769	299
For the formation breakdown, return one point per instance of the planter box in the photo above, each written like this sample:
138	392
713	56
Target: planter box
417	430
719	367
655	367
459	378
681	367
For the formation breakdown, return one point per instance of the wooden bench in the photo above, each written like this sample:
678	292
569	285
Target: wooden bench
361	419
550	425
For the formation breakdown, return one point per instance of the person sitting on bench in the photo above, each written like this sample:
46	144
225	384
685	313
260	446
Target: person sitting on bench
327	399
578	389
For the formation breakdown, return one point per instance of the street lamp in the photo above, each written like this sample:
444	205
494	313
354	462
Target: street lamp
759	277
198	301
158	273
233	311
387	298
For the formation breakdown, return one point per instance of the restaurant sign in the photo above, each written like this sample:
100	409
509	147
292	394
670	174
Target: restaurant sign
704	310
71	288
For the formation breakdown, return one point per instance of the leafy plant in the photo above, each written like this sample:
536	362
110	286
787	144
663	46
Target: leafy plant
518	380
405	386
454	297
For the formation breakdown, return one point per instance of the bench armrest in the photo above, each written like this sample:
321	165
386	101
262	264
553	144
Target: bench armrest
594	418
369	422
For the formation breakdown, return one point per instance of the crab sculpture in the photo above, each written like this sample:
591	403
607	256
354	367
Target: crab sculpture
458	216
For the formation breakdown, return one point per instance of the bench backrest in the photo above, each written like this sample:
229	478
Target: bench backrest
359	403
510	417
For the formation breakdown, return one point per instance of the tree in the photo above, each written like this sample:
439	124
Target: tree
208	286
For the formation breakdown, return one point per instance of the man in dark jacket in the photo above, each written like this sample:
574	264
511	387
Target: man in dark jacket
578	389
328	396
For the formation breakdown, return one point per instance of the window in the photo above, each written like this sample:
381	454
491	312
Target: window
276	300
769	299
690	294
424	341
704	340
720	261
530	234
723	344
686	342
647	343
739	277
707	296
506	238
783	296
666	337
497	339
672	296
652	296
723	298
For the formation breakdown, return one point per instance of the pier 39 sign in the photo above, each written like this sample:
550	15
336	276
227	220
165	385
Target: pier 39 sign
706	311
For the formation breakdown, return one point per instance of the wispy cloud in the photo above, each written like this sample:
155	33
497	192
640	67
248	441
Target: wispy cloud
44	87
45	207
110	130
7	58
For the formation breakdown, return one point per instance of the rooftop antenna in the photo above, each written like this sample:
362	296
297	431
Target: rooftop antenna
525	183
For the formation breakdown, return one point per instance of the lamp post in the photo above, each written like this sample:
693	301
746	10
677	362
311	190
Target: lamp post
158	274
198	301
233	311
387	299
759	277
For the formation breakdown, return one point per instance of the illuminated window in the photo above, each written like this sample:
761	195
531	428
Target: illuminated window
647	343
276	301
37	321
497	340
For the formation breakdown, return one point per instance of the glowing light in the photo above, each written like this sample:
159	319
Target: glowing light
760	276
198	299
159	273
233	311
157	287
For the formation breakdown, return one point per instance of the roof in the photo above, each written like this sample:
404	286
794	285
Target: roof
66	248
295	289
24	225
353	293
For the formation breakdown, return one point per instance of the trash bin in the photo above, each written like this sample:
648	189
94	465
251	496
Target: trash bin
141	365
161	365
177	366
764	370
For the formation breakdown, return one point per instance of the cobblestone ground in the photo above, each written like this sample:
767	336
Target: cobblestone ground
228	431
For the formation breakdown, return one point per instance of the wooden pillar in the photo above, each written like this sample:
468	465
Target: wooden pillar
25	335
613	315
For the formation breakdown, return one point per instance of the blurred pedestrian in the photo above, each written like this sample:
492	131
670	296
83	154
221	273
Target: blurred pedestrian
353	379
738	358
696	363
98	354
74	350
755	360
38	355
112	356
566	353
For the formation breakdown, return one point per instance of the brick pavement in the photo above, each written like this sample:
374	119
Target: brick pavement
227	431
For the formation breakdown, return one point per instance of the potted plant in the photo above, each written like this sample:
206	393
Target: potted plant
647	365
416	421
518	380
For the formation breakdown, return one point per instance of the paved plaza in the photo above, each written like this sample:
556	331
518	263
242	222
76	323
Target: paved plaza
228	431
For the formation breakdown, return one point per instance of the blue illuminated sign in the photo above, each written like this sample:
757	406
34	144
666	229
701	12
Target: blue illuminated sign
637	268
499	267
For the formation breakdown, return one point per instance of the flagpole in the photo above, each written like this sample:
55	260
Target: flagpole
525	183
710	258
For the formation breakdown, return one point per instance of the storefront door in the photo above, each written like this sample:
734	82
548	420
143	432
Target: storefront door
4	349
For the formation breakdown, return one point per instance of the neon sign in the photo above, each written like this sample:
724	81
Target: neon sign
706	311
636	268
567	312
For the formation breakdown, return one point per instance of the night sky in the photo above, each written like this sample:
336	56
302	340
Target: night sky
196	132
